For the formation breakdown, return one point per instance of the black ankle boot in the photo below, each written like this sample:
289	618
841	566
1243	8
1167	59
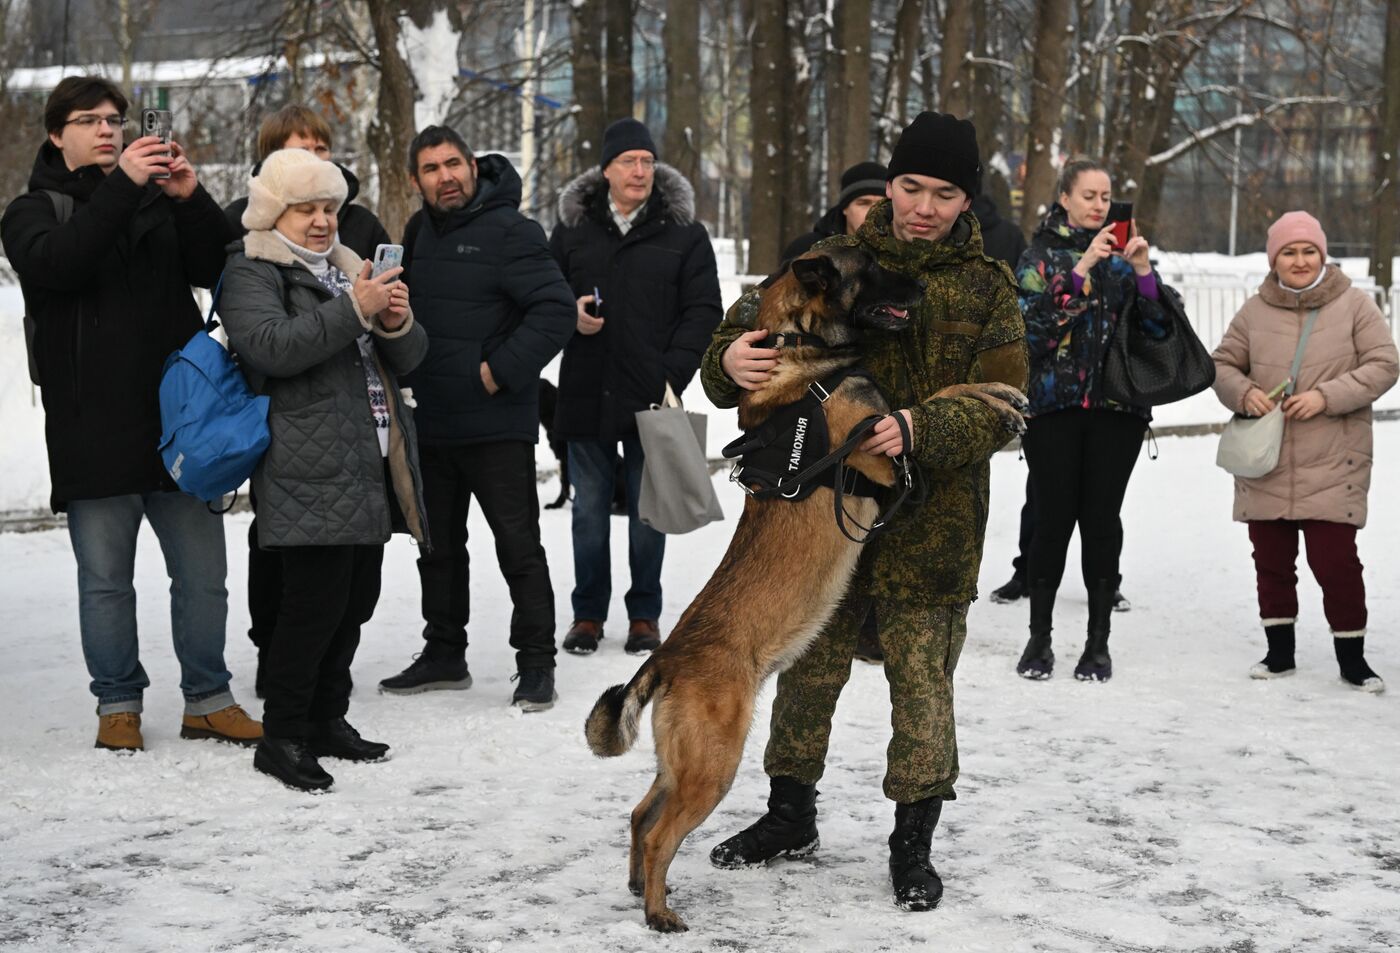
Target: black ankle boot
1351	657
789	829
1278	661
338	738
917	885
1038	661
1095	664
290	761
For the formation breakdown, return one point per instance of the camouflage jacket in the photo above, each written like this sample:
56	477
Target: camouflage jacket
968	329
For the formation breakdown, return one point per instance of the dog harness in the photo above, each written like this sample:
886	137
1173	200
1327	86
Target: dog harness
790	455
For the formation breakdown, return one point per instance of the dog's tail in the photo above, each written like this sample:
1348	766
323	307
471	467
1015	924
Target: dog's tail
611	728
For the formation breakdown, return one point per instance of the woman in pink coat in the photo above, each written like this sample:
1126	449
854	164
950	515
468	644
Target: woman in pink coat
1324	468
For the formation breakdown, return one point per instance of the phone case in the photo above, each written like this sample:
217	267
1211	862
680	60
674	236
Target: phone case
157	122
387	257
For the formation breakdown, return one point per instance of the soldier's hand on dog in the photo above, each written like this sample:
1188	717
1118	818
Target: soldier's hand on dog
587	324
886	438
747	365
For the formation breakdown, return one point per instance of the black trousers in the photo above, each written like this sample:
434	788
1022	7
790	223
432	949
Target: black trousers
264	588
1023	540
501	477
328	593
1080	462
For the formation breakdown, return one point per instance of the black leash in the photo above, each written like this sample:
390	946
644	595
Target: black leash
908	478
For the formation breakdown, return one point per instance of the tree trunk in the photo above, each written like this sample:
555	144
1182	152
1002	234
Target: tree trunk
771	63
587	65
680	37
989	111
1052	40
392	131
907	33
1387	193
797	91
1128	136
848	100
619	62
954	78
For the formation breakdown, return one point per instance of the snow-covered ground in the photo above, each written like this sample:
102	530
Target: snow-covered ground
1180	807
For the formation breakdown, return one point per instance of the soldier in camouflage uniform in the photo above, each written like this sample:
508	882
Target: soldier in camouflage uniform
920	577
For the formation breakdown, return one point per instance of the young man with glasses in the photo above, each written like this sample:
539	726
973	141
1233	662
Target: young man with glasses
627	234
106	253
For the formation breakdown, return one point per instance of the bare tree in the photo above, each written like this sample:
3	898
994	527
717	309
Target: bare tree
848	103
1387	192
954	80
903	53
127	19
392	131
682	144
1052	40
589	114
618	95
772	62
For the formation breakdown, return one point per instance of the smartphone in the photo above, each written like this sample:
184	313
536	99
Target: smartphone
1120	219
386	257
158	122
594	307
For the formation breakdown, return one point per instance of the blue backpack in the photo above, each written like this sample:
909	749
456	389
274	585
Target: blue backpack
213	429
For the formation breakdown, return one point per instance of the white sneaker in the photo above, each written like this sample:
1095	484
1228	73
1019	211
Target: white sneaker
1372	686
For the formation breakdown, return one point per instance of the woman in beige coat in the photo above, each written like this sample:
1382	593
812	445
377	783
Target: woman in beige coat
1324	468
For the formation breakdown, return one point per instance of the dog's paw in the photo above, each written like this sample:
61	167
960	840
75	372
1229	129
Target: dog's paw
666	921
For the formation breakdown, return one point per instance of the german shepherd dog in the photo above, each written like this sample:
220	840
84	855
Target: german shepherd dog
783	575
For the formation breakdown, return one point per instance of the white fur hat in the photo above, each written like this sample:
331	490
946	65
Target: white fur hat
286	178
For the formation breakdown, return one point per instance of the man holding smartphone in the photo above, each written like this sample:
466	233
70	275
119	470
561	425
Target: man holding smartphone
106	253
628	230
496	310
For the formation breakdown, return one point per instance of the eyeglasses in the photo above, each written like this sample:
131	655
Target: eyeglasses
88	122
646	163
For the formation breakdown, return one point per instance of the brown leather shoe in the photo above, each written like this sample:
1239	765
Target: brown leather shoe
226	724
120	731
583	637
642	636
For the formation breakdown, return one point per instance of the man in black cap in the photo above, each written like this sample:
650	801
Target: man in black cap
862	188
643	272
919	578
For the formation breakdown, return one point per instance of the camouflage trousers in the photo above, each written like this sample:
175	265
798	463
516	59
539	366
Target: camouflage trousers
922	645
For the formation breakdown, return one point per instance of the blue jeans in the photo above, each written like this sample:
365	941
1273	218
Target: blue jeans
592	466
103	533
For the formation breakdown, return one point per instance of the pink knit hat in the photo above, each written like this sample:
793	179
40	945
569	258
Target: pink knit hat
1295	227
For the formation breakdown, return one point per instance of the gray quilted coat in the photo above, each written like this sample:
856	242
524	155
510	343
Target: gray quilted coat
322	481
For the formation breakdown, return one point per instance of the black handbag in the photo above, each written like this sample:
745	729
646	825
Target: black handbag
1145	371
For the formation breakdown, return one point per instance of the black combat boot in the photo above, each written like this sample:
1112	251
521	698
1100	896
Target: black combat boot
440	666
917	885
1278	661
1095	665
338	738
1038	661
789	829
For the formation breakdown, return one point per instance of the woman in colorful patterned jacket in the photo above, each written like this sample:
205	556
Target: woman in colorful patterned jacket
1075	286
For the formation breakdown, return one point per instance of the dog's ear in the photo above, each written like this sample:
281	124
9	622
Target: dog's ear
815	274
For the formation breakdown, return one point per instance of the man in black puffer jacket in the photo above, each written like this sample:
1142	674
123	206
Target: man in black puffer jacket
497	310
106	259
627	234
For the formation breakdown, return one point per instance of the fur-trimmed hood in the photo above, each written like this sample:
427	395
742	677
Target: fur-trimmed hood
588	190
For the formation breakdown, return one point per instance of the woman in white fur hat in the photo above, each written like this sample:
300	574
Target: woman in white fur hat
326	342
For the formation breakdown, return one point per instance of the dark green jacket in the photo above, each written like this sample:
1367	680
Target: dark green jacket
968	329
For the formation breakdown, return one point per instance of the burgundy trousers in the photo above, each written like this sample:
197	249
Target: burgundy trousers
1332	558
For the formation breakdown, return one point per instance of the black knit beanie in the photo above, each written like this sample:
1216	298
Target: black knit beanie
624	136
942	146
863	178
